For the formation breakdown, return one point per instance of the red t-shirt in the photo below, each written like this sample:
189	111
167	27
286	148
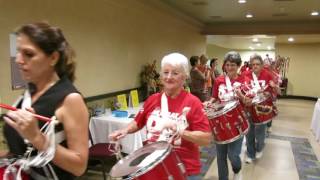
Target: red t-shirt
244	69
220	90
264	79
196	118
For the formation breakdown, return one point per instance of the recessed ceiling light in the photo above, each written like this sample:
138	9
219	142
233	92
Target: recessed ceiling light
250	47
290	39
249	15
314	13
258	44
255	40
269	47
242	1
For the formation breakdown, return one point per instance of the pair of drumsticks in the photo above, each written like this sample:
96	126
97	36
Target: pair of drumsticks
11	108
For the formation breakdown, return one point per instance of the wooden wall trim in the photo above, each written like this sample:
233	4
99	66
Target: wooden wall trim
112	94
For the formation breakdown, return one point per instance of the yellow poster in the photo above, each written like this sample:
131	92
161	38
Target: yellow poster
134	98
122	101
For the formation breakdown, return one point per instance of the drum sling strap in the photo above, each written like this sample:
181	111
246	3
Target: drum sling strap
42	158
255	84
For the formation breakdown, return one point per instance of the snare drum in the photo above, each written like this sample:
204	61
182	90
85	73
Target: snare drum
153	161
228	121
263	109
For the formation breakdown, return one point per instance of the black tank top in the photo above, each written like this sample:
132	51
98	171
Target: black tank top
45	106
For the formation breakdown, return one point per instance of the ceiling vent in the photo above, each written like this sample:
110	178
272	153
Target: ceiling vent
279	14
199	3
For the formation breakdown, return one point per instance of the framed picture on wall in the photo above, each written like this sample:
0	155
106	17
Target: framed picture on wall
16	80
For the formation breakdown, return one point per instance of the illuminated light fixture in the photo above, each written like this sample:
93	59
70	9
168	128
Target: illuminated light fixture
255	40
250	47
290	39
242	1
269	47
314	13
249	15
258	44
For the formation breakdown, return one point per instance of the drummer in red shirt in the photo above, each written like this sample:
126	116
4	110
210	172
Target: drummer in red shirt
261	81
174	110
227	88
245	68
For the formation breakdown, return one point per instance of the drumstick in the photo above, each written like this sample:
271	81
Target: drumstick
11	108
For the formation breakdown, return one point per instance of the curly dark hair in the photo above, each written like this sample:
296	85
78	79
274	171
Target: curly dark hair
50	39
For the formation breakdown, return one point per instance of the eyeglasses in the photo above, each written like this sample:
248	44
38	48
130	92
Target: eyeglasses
256	64
170	73
230	65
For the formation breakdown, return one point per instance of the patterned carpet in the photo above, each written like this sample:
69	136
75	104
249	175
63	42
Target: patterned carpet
307	164
208	154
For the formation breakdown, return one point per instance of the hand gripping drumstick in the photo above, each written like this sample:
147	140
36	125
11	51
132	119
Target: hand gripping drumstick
42	118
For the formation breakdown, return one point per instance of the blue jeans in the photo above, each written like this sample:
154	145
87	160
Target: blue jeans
231	150
269	124
255	139
194	177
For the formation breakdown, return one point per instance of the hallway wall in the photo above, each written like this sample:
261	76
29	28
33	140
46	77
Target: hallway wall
113	39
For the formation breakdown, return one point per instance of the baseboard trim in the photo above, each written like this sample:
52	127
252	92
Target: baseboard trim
298	97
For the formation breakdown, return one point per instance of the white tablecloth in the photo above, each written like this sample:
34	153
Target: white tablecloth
315	123
102	126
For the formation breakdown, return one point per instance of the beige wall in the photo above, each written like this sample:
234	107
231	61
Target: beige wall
217	52
113	39
304	68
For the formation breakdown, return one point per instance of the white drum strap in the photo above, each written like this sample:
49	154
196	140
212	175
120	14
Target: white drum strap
164	105
228	84
181	121
229	94
165	116
256	84
114	147
15	104
27	102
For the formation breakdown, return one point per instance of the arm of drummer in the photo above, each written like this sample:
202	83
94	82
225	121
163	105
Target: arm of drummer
274	86
131	128
198	131
209	102
245	99
3	153
73	114
198	137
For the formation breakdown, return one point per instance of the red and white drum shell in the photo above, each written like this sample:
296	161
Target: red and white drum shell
263	109
12	175
157	160
228	121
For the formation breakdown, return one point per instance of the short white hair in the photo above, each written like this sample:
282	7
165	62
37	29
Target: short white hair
176	59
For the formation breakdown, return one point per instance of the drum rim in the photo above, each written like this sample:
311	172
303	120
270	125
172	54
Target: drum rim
224	103
265	97
264	122
146	169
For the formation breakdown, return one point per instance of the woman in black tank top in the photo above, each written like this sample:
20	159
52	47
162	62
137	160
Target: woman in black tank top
45	61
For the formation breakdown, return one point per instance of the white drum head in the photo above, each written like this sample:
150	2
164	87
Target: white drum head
225	107
259	98
141	161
